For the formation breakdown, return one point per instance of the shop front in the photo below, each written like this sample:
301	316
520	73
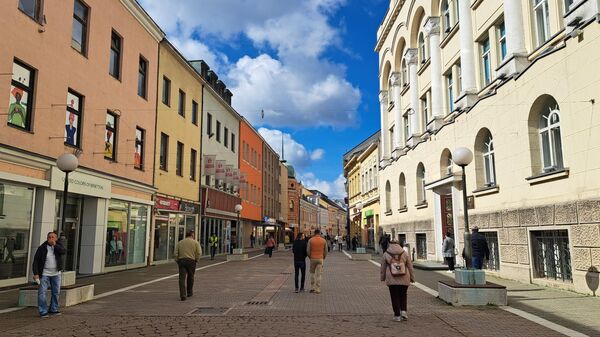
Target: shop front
219	217
173	218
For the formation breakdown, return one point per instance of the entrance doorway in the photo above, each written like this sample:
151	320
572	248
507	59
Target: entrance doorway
447	215
71	229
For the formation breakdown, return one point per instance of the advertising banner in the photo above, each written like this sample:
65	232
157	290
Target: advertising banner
220	169
229	174
209	164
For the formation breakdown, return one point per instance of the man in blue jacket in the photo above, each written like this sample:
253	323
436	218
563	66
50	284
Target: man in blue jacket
479	250
47	266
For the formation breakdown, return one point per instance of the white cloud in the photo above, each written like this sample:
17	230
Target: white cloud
295	153
333	189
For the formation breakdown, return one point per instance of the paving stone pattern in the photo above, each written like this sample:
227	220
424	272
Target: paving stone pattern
353	302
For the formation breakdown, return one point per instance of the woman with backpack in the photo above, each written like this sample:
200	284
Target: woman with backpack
397	273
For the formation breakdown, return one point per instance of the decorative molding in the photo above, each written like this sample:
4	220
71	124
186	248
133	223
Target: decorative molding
432	25
383	97
395	79
411	56
486	190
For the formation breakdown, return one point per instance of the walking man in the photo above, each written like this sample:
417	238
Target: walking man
448	251
479	249
317	252
187	253
47	267
299	250
213	242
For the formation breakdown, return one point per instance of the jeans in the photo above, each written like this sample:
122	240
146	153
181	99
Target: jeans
187	268
477	262
398	294
54	283
270	251
450	262
316	272
299	267
213	251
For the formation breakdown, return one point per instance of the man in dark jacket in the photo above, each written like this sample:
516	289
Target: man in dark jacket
384	242
479	249
47	266
299	249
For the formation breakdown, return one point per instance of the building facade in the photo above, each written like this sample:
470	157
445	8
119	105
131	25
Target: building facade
271	192
283	202
53	108
294	192
251	153
177	158
504	83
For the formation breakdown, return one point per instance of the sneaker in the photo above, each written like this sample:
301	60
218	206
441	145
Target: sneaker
449	271
317	291
301	290
55	313
183	298
397	319
296	291
312	291
44	316
404	315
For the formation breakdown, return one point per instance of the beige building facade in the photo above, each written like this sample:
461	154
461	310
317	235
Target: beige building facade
504	79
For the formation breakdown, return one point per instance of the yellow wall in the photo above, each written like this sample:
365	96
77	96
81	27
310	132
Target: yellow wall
178	128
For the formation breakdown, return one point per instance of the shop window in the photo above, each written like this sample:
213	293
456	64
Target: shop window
80	27
492	240
21	96
166	91
142	77
116	43
551	255
15	224
110	143
138	156
136	237
73	119
421	246
126	230
179	160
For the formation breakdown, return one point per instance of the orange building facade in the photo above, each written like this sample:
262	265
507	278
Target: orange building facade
251	146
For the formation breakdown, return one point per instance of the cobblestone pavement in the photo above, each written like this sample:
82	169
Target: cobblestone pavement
227	302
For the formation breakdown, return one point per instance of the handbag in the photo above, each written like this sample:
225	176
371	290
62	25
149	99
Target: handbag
397	266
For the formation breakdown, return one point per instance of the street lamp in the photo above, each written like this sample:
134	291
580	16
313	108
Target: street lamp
463	157
67	163
238	210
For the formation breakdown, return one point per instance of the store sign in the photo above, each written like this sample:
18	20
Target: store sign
165	203
189	207
209	164
80	183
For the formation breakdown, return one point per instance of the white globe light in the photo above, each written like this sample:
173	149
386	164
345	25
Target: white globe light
462	156
67	162
238	208
359	206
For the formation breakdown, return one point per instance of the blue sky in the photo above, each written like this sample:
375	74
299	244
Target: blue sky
309	65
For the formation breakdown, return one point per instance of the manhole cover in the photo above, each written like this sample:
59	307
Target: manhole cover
257	303
208	311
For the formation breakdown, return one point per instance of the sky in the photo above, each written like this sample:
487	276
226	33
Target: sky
309	65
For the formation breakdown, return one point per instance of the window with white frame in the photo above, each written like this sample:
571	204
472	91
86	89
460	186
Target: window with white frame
486	63
388	196
406	125
424	112
568	4
550	140
402	191
541	15
449	164
375	171
459	75
446	23
501	32
372	180
404	73
489	164
391	147
422	48
421	198
450	92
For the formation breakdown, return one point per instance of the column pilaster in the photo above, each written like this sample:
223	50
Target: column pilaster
412	59
516	51
395	81
383	104
468	96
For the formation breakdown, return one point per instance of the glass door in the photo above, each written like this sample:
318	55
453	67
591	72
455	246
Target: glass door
69	235
161	237
447	215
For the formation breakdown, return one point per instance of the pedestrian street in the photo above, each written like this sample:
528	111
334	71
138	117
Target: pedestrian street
256	298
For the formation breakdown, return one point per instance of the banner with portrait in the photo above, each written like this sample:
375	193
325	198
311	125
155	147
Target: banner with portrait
209	164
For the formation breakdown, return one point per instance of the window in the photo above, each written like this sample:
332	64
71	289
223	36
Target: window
376	177
166	92
446	163
218	131
194	112
446	24
225	137
404	73
489	165
486	65
541	15
422	48
550	141
110	147
391	147
424	112
80	24
179	160
32	8
388	197
73	119
402	190
21	96
115	55
568	4
164	151
421	184
407	134
193	155
181	106
142	76
459	73
232	142
551	255
138	156
501	32
209	124
450	92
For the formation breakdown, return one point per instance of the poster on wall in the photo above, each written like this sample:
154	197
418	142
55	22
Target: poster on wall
209	164
229	174
137	155
19	96
109	142
72	119
220	169
235	180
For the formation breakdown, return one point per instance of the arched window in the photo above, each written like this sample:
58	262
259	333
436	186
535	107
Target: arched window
489	163
388	196
376	176
422	48
291	204
402	185
421	184
446	163
551	145
404	73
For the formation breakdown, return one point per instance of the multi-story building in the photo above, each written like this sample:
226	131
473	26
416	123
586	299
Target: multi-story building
283	202
294	191
361	167
93	95
177	160
251	153
220	161
308	212
271	193
503	79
